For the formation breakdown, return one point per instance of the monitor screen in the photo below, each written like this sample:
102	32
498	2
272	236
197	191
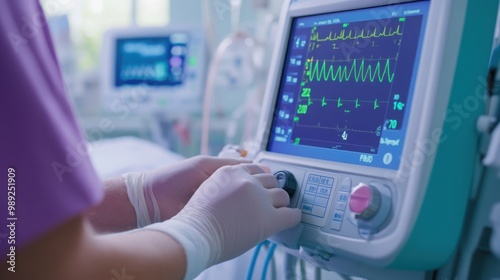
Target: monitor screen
347	84
154	61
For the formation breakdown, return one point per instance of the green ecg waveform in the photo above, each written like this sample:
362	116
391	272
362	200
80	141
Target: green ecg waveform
319	71
343	35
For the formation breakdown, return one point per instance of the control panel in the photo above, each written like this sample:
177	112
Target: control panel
341	204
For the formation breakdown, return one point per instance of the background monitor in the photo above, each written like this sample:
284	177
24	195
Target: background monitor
154	61
162	69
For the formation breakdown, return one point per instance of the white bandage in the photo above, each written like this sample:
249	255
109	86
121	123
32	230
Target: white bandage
135	191
196	247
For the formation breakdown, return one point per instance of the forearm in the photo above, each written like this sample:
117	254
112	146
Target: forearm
74	251
115	213
143	254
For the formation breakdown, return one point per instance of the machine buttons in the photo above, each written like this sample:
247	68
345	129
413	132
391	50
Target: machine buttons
326	181
286	181
311	188
387	159
365	201
318	211
314	179
336	222
338	216
340	206
306	208
321	201
343	197
308	198
335	225
324	191
346	185
316	195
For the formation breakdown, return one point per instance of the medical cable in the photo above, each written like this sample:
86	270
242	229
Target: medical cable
488	124
254	259
273	269
303	269
290	266
269	257
317	273
494	86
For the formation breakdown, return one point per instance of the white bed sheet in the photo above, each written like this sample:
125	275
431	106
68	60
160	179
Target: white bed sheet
115	156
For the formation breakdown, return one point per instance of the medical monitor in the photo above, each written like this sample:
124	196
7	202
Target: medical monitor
154	61
361	112
160	68
346	86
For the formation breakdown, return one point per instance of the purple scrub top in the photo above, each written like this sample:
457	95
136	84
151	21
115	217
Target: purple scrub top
42	149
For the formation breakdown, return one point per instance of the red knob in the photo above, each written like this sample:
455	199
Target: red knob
364	201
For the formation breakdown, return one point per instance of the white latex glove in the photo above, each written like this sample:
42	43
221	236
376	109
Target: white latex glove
235	209
160	194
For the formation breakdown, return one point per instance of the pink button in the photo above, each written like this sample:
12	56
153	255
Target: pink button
360	199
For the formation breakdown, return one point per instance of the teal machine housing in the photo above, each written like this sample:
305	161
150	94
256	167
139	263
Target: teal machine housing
377	190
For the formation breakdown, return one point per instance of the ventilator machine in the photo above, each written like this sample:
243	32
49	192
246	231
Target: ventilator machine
370	123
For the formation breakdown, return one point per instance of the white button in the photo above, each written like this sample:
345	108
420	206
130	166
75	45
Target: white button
308	199
387	158
324	191
313	179
306	208
321	201
335	225
318	211
326	181
311	188
340	206
338	216
346	185
343	196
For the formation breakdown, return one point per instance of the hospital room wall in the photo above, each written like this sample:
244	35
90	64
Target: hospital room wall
219	13
187	11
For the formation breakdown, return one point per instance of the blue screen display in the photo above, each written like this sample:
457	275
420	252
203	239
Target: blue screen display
347	85
154	61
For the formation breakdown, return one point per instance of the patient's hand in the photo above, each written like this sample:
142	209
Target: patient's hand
174	185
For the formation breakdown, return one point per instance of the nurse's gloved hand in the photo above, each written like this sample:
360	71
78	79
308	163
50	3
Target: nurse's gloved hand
235	209
160	194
